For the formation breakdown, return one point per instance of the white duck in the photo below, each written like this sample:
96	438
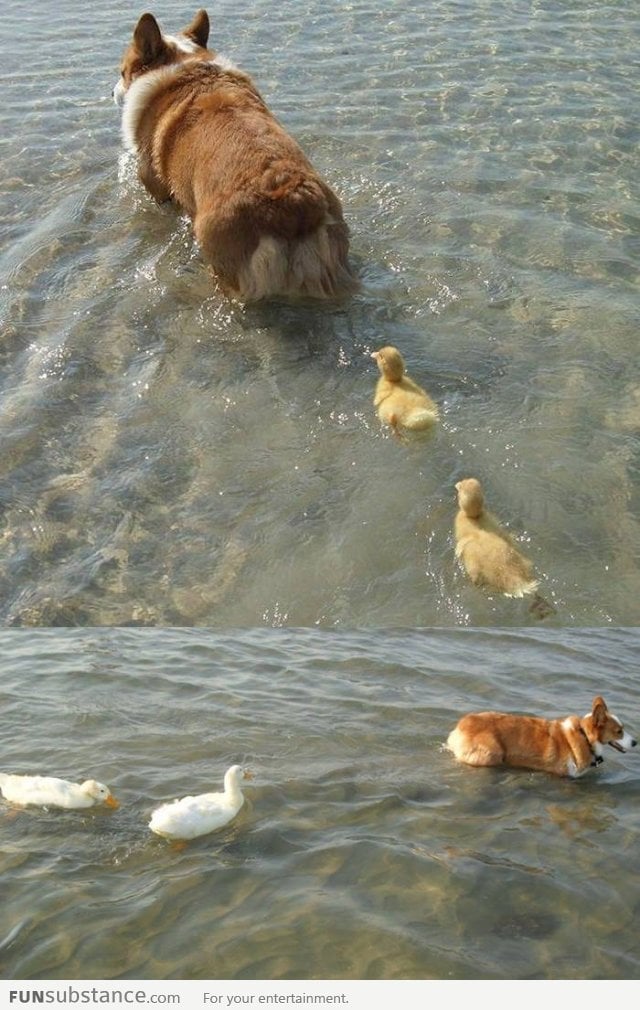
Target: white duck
43	791
198	815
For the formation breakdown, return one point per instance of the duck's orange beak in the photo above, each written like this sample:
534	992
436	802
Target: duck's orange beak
112	802
247	775
374	355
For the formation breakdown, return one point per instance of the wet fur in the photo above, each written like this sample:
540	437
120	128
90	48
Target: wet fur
266	222
567	746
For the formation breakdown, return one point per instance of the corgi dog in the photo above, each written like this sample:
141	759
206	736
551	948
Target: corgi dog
399	401
568	746
266	222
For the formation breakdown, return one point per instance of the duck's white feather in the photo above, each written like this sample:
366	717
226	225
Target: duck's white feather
45	791
192	816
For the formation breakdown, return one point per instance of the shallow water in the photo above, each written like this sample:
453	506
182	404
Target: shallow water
486	158
363	851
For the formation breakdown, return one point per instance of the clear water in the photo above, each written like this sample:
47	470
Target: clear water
363	851
486	155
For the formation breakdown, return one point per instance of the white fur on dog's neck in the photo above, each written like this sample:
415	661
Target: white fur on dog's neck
136	98
135	102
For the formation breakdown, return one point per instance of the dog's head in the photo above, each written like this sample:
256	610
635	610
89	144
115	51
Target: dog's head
606	728
149	49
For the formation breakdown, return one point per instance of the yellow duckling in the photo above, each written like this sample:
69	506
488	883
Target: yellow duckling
486	551
199	815
43	791
400	402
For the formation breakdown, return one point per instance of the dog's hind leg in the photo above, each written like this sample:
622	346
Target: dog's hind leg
228	248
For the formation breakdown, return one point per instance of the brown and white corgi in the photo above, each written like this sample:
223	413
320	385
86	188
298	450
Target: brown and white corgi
568	746
266	222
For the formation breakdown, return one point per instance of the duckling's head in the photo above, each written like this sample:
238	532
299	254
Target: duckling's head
390	362
99	793
470	497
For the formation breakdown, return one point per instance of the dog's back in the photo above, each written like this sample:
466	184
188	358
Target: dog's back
265	220
518	741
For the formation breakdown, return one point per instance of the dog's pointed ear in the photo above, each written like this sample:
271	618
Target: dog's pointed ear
147	38
198	30
599	711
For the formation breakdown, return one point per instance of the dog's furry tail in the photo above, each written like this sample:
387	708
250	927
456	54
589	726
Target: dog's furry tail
315	266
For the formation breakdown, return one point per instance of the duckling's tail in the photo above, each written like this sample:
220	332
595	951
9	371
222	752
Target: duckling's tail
518	588
421	419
